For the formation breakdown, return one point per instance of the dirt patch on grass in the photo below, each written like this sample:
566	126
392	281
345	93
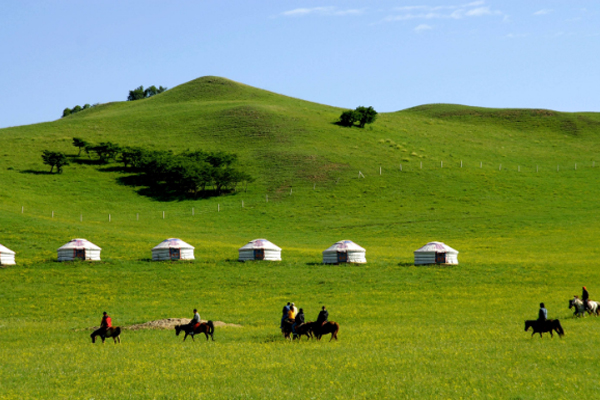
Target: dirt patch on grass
169	323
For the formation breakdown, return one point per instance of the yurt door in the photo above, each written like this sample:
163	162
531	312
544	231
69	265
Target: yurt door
342	257
175	254
79	254
259	254
440	258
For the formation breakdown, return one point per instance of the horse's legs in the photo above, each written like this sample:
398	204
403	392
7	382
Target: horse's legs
186	335
206	334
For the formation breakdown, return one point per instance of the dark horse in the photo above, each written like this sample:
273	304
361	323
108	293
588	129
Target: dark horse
113	332
208	328
304	329
328	327
544	326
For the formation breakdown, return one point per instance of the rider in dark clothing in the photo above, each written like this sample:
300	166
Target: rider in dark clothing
286	310
543	313
585	296
299	320
323	316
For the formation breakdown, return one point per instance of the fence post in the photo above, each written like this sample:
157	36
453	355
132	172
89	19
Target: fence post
500	167
380	170
480	164
519	168
52	214
242	203
108	217
314	186
193	211
441	164
400	167
267	197
137	216
218	207
537	168
80	217
22	209
421	165
461	163
163	215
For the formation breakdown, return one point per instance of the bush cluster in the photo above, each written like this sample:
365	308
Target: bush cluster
141	93
362	115
68	111
191	172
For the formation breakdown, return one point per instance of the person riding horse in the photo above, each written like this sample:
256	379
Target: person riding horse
585	296
298	321
323	317
284	314
543	313
195	322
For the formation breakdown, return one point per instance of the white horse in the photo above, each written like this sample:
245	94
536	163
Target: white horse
580	307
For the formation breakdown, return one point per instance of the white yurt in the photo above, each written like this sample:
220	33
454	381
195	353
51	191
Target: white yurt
436	253
344	251
7	256
260	249
173	249
79	249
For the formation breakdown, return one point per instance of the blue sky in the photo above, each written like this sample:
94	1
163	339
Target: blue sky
388	54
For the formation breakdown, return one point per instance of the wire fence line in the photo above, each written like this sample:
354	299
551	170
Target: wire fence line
273	199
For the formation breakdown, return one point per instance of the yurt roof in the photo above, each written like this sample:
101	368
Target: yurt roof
437	247
6	250
344	246
173	244
260	244
79	244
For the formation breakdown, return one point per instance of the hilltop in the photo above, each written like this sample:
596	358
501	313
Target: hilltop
294	146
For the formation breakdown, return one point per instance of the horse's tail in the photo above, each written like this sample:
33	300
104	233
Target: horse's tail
335	331
116	331
211	326
559	328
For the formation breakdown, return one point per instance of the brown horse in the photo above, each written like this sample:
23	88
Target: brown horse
328	327
208	328
544	326
304	329
113	332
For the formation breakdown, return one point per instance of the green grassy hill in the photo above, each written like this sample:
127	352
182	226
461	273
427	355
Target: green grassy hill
515	191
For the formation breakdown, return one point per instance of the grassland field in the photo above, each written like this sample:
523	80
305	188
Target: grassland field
525	222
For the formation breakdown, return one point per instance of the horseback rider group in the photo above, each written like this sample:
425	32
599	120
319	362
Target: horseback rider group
294	317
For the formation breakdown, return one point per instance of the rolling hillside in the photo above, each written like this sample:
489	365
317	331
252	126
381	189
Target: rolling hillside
515	191
290	145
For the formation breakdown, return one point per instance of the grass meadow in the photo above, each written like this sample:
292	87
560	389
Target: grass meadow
525	222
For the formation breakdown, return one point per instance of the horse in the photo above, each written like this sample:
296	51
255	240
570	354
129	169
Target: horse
208	328
304	329
544	326
113	332
328	327
580	307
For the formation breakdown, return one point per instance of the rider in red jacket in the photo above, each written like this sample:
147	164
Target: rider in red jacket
106	321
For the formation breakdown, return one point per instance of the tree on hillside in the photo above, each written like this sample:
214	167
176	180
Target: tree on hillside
362	115
80	143
366	115
153	90
106	151
136	94
55	159
66	112
139	93
348	118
